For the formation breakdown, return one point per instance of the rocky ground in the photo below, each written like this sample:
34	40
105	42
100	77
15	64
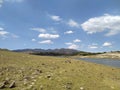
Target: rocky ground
109	55
28	72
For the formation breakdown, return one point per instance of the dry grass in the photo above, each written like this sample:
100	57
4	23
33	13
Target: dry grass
53	73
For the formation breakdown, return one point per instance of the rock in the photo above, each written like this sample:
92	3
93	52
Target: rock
68	85
37	72
7	81
1	73
41	87
67	61
12	85
81	88
40	71
48	76
2	86
112	87
27	77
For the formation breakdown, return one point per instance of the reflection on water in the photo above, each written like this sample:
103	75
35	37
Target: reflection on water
110	62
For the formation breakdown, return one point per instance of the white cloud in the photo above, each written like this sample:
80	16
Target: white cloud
55	18
42	30
109	23
11	1
68	43
73	46
73	23
92	47
107	44
52	30
48	36
46	42
3	33
68	32
1	29
76	40
33	40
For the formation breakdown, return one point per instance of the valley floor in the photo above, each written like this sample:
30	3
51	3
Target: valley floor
28	72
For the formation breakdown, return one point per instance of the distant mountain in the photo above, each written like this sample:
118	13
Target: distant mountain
29	50
3	49
61	51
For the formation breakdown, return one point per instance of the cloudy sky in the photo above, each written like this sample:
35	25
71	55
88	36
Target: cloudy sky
87	25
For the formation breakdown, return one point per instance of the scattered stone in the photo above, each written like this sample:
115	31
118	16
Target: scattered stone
48	76
32	83
112	87
1	73
12	85
27	77
33	77
6	82
25	82
37	72
34	80
67	61
68	85
41	87
81	88
40	71
2	85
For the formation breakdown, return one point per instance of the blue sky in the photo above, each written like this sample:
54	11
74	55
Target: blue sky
87	25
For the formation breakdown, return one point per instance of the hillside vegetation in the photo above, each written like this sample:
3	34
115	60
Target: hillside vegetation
28	72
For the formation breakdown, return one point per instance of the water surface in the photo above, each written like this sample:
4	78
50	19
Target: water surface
109	62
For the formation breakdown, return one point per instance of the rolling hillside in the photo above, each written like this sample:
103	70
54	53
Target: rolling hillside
19	71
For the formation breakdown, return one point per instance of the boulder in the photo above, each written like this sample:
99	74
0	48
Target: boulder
12	85
2	85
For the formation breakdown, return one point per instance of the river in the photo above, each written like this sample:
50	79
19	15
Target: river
109	62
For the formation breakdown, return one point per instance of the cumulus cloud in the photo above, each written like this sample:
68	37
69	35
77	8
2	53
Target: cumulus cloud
33	40
76	40
1	29
73	46
109	23
48	36
46	42
3	33
107	44
55	18
42	30
68	32
68	43
73	23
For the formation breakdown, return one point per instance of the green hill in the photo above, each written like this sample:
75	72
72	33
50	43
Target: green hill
28	72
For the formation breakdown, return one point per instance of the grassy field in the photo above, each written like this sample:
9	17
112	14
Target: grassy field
29	72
